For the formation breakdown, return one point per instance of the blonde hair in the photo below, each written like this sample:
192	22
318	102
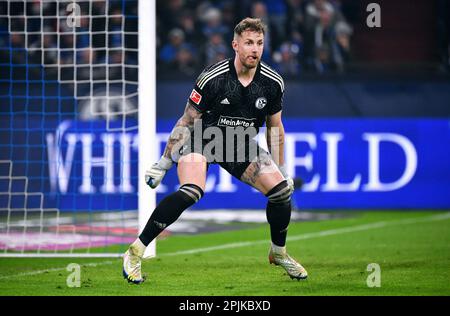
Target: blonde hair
250	24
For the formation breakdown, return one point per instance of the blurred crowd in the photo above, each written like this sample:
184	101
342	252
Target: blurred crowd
43	33
302	35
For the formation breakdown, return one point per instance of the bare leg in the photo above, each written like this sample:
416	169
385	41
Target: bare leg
262	174
192	169
192	174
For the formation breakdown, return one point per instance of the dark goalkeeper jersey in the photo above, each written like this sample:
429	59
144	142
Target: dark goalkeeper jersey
225	102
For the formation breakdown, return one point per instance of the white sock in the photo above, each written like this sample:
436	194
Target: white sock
139	246
278	249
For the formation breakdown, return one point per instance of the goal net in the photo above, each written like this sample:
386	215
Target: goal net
70	118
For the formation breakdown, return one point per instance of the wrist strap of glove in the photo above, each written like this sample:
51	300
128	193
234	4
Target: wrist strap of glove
165	163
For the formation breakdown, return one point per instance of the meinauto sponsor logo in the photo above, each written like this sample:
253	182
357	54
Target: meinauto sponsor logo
228	121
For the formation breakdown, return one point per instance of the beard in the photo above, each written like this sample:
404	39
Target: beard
247	62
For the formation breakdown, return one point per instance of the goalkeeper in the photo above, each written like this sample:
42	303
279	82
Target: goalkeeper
242	92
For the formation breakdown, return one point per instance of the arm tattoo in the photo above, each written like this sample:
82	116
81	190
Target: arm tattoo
186	121
275	143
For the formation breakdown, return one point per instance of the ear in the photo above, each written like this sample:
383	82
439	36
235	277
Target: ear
234	44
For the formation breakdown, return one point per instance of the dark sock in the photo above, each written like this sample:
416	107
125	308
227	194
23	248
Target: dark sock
168	211
278	216
278	212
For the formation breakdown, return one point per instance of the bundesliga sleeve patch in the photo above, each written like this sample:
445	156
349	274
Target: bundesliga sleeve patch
195	97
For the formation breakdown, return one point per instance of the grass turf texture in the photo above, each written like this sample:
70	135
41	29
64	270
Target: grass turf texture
414	257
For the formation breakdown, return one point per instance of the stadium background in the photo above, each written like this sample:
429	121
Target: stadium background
366	109
367	115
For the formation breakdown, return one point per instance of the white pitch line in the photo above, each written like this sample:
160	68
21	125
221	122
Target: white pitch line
324	233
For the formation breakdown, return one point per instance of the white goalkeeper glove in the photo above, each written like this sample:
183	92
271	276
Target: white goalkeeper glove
287	177
157	171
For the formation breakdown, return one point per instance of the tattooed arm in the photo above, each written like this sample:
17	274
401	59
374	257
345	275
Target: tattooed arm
155	174
275	137
184	124
275	143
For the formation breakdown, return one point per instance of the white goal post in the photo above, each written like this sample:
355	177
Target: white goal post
147	111
79	81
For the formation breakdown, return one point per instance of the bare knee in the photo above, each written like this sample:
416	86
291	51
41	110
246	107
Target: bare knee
192	170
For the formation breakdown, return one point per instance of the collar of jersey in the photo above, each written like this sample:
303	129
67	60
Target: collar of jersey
233	72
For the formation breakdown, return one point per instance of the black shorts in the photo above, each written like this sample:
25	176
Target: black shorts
233	157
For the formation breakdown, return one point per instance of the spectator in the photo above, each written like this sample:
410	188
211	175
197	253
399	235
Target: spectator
82	37
259	10
178	54
295	21
115	28
277	17
229	19
185	62
169	12
50	55
66	41
287	59
325	50
190	28
343	33
216	49
213	23
176	42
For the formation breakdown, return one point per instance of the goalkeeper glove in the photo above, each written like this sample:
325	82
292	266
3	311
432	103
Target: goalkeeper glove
157	171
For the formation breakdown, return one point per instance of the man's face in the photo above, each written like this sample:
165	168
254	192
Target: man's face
249	48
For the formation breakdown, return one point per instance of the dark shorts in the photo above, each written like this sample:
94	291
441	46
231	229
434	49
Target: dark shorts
233	157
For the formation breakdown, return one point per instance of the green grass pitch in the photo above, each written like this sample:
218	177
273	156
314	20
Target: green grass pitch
412	250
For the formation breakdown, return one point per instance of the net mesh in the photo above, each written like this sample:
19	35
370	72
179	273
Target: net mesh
68	121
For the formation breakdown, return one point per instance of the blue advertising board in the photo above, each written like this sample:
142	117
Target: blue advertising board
349	163
344	164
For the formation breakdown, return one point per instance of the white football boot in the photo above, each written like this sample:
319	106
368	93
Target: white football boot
280	257
132	266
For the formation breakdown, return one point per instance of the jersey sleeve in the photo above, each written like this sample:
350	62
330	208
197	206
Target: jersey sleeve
200	96
277	104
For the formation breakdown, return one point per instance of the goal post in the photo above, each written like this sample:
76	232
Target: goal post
147	112
77	126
